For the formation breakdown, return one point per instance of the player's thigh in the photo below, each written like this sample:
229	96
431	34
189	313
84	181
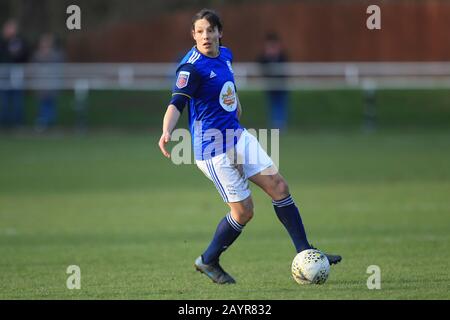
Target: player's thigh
259	167
253	157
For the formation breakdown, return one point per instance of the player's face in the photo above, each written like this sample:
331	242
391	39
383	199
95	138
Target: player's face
206	37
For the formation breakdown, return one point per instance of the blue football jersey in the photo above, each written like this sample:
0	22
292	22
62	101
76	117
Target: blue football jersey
209	85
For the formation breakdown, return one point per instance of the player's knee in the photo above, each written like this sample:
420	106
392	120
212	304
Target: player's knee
249	214
244	213
281	188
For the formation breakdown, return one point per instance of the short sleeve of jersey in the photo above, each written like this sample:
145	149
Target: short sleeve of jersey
228	53
187	81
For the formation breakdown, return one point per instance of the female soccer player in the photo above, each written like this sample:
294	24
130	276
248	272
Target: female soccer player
205	81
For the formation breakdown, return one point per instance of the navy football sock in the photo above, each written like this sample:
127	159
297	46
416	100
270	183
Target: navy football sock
227	231
289	216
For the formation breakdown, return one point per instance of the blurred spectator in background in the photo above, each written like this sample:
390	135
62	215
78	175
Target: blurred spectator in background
13	49
278	96
47	53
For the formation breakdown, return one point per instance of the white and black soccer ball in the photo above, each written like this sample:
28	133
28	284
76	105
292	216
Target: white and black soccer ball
310	267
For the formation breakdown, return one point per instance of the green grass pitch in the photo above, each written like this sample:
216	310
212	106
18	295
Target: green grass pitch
134	222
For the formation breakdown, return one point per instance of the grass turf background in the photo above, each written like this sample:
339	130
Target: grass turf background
134	222
329	109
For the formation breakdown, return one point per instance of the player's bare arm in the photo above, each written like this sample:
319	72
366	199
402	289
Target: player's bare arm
239	107
170	121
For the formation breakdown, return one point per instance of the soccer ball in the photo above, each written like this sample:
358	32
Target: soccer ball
310	267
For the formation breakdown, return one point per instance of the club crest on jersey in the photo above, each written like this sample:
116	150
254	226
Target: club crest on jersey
227	97
183	79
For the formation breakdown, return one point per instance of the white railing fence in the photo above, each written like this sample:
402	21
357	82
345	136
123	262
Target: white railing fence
249	76
366	76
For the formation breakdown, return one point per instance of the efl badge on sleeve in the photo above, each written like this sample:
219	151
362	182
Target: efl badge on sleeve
182	80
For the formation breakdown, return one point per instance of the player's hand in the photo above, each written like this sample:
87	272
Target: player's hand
165	138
